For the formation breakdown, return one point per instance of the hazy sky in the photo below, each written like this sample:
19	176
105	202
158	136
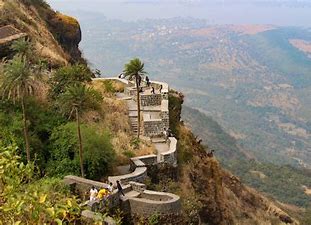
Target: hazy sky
276	12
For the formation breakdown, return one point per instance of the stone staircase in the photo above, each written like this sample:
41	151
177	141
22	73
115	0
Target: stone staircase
140	200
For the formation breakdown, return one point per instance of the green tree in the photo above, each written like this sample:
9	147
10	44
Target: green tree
25	200
77	100
20	80
23	47
134	70
98	153
68	76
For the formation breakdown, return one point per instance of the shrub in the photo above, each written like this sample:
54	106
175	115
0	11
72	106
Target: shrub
98	155
27	201
68	76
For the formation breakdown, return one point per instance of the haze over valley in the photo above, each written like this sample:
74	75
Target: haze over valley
243	65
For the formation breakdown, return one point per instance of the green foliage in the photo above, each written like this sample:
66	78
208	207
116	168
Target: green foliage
108	86
129	154
79	97
175	104
20	78
134	68
22	47
10	124
154	219
98	152
231	156
27	201
68	76
135	143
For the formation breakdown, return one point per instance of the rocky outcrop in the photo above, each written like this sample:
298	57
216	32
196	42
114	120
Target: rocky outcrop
67	31
55	36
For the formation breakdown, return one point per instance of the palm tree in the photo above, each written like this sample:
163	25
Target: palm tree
20	80
23	47
76	100
134	70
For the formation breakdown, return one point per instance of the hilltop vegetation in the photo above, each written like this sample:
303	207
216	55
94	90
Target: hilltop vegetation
282	182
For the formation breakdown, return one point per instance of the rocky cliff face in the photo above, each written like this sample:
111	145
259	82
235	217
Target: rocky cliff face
212	195
56	36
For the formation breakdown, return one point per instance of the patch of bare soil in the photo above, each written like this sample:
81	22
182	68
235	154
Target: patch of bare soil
250	29
302	45
307	190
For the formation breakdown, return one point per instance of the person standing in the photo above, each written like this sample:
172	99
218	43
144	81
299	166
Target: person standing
147	81
165	133
160	90
93	193
110	187
139	81
120	189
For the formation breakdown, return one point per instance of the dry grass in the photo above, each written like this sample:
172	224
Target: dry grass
113	115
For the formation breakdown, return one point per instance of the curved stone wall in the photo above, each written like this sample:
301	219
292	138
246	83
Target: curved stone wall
150	202
170	157
138	175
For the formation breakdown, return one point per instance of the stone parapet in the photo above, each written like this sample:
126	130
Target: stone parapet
138	175
130	91
170	156
82	186
147	160
124	81
151	202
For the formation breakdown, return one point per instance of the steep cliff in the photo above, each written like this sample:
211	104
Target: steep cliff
56	36
212	195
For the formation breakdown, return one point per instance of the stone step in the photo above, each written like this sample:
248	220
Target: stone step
133	114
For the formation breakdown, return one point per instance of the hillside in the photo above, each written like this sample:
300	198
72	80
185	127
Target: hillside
55	36
32	189
251	79
214	193
265	177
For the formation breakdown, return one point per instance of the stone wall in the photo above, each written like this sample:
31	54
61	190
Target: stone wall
124	81
150	99
151	202
164	114
147	160
170	156
130	91
82	186
139	175
152	127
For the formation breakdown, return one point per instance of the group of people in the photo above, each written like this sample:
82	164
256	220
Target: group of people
146	80
104	193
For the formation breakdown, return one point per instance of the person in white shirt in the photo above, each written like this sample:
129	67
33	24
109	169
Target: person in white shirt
93	194
110	187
